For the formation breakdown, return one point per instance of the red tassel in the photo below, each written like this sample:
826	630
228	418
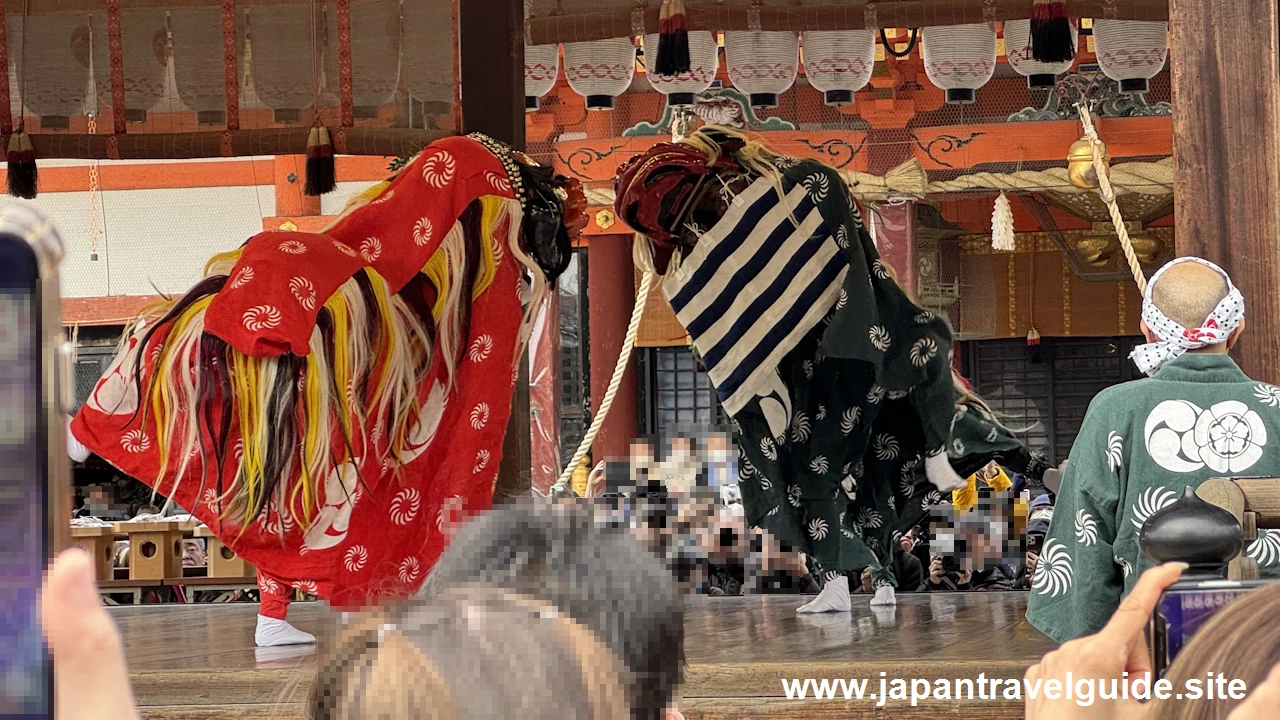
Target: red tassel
1033	337
320	170
672	56
1051	36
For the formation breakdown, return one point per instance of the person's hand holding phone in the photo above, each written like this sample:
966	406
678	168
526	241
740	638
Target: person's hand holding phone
91	680
1118	648
935	569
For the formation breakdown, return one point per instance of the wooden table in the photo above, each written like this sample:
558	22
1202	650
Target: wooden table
106	588
227	585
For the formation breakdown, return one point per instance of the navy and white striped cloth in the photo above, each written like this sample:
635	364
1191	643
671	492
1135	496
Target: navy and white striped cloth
755	284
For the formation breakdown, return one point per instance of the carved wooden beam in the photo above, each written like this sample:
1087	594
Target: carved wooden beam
228	143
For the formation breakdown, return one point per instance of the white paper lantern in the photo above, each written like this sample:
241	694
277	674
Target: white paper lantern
282	73
762	64
57	66
839	63
426	69
1017	46
1130	52
704	61
959	58
198	69
375	56
600	70
142	57
541	67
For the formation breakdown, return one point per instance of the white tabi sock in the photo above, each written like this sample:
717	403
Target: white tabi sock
885	595
833	598
938	469
272	632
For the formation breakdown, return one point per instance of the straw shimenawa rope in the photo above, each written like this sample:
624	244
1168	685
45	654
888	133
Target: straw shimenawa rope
910	180
1144	178
1108	195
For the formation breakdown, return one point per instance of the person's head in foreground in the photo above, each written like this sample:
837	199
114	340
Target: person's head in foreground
600	576
1241	642
1190	306
469	652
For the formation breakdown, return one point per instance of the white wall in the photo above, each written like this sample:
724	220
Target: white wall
152	239
333	203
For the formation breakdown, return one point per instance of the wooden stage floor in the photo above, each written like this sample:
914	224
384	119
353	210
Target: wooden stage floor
199	662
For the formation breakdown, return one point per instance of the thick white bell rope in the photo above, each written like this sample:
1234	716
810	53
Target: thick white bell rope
642	256
1108	195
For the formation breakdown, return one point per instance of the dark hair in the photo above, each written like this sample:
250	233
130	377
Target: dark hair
470	652
601	576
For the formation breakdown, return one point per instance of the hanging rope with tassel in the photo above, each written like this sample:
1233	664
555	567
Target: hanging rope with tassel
1108	195
22	176
320	173
642	256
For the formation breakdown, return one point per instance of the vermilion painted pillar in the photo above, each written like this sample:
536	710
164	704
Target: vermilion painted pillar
610	297
290	173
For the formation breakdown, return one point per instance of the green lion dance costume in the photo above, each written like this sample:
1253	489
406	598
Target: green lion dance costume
848	422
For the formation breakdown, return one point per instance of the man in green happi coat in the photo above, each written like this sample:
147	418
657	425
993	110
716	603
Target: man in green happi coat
1197	417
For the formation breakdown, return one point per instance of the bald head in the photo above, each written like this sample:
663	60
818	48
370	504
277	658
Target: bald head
1187	292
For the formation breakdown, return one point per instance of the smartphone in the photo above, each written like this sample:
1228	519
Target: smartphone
1184	608
35	508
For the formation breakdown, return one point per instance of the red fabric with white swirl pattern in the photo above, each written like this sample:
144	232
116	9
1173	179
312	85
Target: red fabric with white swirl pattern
369	542
421	206
274	291
378	529
269	304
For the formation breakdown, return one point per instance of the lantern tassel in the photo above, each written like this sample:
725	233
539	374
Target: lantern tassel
673	40
1002	226
1033	345
1051	32
23	177
320	171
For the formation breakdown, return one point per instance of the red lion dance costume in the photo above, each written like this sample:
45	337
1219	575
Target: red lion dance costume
330	403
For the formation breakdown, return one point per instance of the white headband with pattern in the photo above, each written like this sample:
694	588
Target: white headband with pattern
1174	339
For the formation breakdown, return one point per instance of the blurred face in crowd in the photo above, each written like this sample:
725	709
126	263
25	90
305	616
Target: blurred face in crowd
641	453
681	447
97	500
718	448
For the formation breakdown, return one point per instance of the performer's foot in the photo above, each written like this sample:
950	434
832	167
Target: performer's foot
833	598
885	595
938	469
272	632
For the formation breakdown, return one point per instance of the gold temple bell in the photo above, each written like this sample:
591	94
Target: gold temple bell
1080	168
